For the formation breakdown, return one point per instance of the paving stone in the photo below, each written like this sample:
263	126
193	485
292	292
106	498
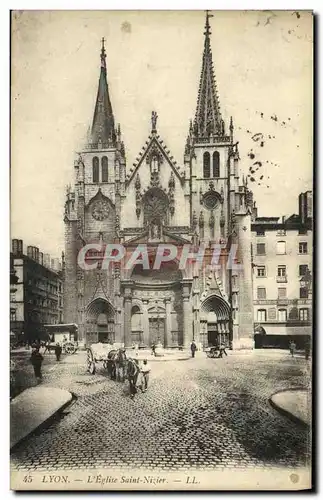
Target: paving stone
184	420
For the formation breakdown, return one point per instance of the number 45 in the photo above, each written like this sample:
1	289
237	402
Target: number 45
28	479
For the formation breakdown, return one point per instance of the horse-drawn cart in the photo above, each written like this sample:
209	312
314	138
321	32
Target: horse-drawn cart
68	347
97	353
63	334
112	356
213	352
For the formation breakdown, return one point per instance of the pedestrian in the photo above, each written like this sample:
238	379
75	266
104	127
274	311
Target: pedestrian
36	360
292	348
145	370
307	349
222	350
193	348
153	349
58	351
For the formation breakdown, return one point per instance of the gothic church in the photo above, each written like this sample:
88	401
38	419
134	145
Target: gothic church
202	201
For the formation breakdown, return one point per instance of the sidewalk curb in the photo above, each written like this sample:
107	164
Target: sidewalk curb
44	423
287	413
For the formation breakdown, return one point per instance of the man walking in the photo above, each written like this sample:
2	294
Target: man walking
36	360
58	351
307	349
145	370
193	348
292	348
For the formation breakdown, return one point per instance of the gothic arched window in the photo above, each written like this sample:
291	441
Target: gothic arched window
206	165
104	169
95	169
216	164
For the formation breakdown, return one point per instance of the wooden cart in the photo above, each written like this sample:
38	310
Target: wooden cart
97	353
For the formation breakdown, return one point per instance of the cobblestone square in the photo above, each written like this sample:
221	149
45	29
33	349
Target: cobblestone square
200	413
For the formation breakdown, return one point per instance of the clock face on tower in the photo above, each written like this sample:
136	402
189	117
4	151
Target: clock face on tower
100	210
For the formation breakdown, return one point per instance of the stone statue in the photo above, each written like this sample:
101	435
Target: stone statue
154	231
154	117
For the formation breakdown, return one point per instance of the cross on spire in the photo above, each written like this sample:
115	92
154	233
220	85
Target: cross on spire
103	54
207	23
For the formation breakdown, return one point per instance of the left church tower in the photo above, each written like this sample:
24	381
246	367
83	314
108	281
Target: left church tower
92	215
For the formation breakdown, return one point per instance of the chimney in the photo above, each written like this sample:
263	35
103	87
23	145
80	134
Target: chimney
56	266
14	247
46	260
30	251
309	204
302	206
17	247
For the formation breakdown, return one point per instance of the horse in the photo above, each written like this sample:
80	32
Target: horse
117	364
132	373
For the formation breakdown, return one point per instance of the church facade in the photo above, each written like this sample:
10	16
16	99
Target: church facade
201	203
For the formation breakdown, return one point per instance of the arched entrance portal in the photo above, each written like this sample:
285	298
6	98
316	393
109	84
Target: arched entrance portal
159	317
215	321
100	322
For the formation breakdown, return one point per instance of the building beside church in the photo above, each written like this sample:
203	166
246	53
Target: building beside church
36	297
200	202
282	260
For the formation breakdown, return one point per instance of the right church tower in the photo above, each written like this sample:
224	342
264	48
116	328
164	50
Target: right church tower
221	212
156	201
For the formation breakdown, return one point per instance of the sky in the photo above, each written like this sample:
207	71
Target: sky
263	68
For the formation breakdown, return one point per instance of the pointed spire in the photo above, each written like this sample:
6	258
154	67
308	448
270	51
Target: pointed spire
187	146
122	149
189	139
103	130
231	128
236	151
208	121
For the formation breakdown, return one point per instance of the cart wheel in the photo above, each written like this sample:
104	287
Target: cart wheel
70	348
90	362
